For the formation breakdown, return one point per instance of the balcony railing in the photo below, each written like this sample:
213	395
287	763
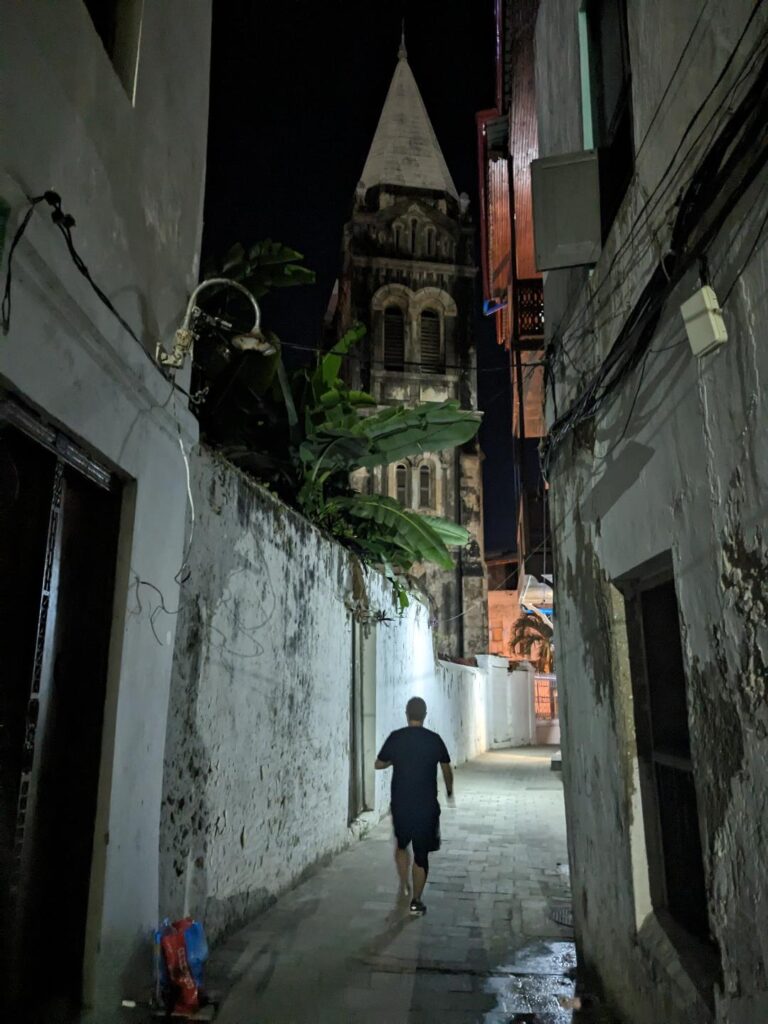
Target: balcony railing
529	309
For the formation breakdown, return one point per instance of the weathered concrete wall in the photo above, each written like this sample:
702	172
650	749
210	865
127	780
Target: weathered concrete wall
258	748
130	169
677	463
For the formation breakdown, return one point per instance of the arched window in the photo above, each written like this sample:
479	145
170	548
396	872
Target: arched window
398	237
413	236
431	247
427	486
401	483
394	338
429	336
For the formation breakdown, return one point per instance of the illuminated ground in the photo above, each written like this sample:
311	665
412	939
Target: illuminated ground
342	948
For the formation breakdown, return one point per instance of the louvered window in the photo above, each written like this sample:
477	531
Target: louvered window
426	477
431	356
401	484
394	339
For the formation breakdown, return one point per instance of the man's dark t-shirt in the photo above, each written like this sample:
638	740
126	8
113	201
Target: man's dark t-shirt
415	753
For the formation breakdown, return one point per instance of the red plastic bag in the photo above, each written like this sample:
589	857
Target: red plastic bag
185	991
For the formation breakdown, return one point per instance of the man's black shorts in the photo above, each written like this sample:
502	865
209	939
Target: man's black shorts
422	830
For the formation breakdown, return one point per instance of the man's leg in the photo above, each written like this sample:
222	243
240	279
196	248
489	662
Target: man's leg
420	868
419	880
403	862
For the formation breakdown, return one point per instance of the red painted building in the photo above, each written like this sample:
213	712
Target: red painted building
513	290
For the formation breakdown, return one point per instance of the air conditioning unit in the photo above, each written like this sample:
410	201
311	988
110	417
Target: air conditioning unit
566	210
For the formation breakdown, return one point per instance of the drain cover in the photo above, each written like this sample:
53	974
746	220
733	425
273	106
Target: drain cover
562	915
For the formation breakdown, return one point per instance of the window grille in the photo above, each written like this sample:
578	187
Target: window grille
394	338
431	356
547	707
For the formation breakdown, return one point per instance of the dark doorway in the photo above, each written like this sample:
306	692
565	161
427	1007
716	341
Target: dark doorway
667	775
59	518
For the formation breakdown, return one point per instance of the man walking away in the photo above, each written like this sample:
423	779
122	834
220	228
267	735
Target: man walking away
414	753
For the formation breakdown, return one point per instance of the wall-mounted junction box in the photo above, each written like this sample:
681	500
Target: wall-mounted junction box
703	321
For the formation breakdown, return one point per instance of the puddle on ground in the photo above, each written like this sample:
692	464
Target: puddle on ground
539	986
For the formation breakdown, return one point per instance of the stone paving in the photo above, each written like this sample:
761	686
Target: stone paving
342	948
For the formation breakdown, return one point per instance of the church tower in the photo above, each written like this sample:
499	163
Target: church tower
408	275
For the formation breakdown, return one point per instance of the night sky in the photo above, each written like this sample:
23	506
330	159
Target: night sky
296	92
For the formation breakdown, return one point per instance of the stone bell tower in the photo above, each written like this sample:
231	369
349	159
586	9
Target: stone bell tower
408	274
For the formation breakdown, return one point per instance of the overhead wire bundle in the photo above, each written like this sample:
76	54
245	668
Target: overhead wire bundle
703	202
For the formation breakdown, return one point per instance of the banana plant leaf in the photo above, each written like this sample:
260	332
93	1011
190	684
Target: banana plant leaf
329	365
452	534
405	530
262	267
390	435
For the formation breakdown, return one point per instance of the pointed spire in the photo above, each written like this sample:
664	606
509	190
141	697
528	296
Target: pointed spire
405	150
402	53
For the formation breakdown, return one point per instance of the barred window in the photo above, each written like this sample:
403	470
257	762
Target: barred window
431	354
394	338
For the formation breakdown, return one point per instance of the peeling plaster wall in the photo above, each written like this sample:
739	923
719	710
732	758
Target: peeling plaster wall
686	474
257	761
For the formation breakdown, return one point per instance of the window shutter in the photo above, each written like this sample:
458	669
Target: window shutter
431	358
401	484
425	487
394	339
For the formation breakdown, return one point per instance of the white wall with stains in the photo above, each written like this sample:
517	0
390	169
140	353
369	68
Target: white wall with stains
677	463
129	165
257	770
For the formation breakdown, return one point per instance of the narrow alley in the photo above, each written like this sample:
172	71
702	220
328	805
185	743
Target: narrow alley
362	362
342	946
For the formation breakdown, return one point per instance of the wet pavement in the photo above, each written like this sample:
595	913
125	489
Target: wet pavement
342	948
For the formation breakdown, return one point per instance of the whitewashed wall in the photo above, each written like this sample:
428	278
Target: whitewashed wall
258	747
130	169
676	466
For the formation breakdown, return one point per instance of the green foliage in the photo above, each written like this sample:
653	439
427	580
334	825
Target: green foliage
396	534
303	434
266	265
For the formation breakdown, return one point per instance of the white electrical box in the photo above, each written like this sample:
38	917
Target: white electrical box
566	210
703	321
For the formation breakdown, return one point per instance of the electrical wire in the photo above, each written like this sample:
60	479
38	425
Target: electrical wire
6	303
655	200
711	176
753	249
64	222
673	76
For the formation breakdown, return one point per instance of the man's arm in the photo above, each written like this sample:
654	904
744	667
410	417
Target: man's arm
385	755
447	777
